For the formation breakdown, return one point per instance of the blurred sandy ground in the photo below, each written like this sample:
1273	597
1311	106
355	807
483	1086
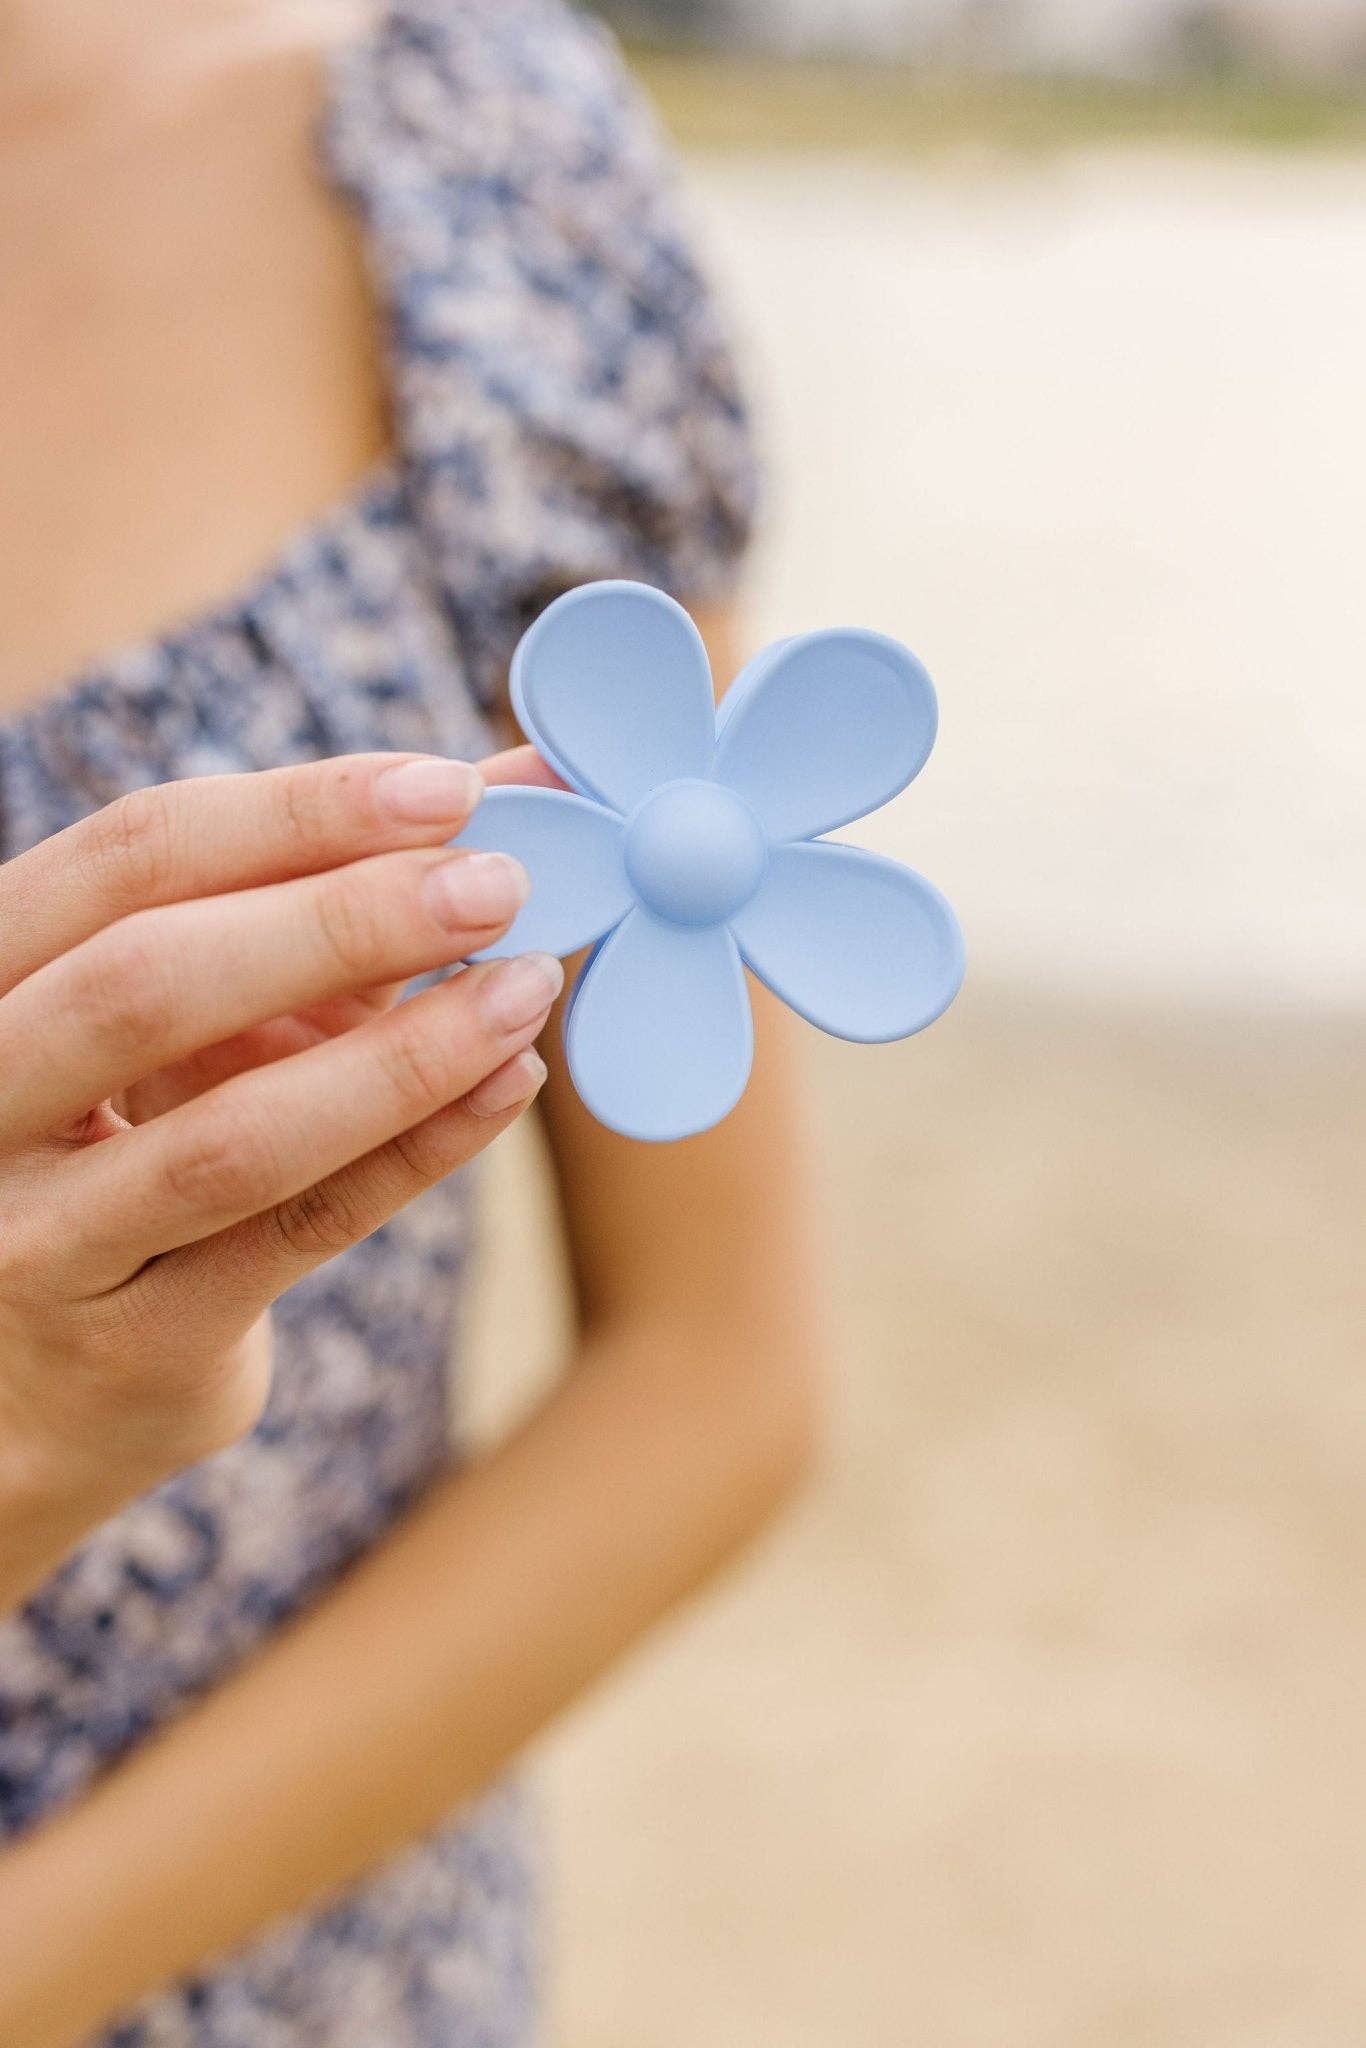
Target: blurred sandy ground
1043	1722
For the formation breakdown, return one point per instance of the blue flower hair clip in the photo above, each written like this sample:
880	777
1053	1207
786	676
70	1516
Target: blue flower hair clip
687	843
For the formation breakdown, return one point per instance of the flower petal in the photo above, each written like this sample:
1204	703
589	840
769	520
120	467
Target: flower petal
571	848
859	945
659	1035
823	728
613	684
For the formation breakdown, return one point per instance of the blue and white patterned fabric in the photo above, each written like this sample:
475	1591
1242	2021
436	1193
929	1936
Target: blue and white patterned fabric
565	407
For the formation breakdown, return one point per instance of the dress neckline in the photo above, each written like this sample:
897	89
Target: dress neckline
163	648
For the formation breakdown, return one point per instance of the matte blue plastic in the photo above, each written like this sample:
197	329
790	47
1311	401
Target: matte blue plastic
824	728
572	849
659	1036
695	854
616	686
687	844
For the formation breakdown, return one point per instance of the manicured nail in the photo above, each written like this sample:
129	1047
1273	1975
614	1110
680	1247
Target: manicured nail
475	889
435	792
519	991
515	1082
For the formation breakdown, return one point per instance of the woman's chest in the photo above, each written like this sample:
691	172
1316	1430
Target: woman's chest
189	369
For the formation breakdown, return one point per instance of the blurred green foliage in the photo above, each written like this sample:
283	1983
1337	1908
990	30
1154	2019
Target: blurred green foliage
742	101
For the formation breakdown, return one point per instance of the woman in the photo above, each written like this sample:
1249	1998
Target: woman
263	1636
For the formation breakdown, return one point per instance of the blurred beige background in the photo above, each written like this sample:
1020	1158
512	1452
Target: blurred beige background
1041	1723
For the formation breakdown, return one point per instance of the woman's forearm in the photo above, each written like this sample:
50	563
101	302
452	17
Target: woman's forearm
46	1507
38	1526
508	1589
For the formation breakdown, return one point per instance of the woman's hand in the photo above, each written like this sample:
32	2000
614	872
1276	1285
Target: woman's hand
209	1089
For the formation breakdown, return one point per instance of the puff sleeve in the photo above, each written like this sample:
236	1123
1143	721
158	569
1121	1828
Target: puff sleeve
566	400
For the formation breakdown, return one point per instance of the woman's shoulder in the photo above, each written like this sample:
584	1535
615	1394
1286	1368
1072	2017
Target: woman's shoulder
510	86
502	148
566	399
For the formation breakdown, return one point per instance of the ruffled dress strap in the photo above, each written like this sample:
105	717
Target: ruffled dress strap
566	398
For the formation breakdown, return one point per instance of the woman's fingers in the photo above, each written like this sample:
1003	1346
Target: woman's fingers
520	764
254	1047
157	985
210	833
270	1252
261	1140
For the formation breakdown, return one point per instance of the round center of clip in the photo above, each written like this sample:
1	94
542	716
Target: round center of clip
694	853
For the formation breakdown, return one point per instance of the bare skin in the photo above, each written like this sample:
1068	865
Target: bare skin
189	377
169	410
206	1070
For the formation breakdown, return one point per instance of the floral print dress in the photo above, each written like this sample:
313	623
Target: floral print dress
565	406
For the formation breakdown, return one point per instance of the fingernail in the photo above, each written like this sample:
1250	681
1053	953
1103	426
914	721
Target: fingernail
475	889
432	792
519	991
515	1082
